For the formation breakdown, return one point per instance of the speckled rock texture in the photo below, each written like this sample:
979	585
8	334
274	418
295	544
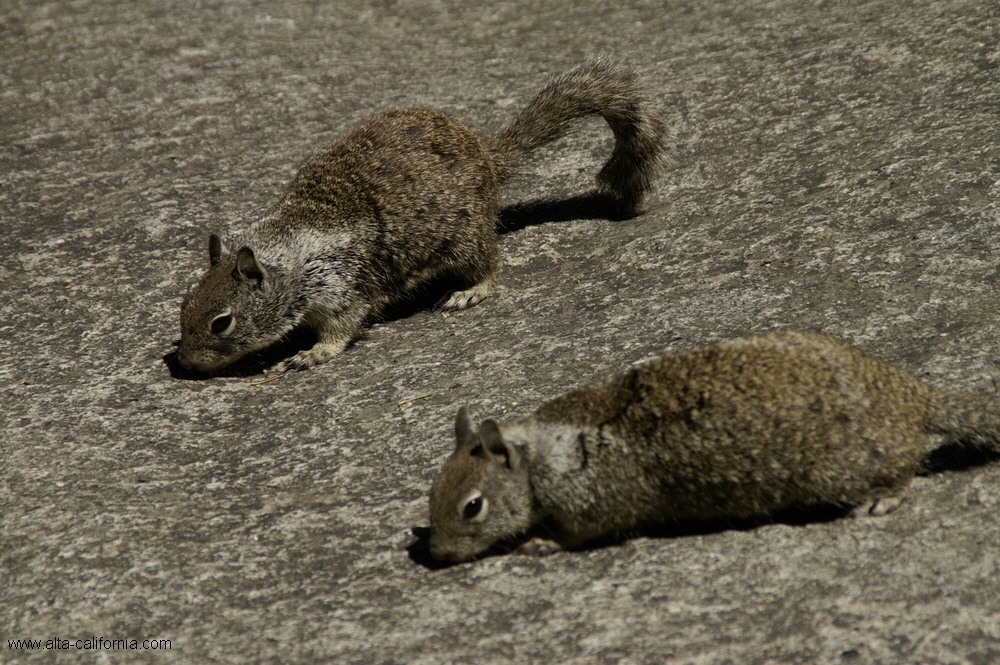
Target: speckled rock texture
833	166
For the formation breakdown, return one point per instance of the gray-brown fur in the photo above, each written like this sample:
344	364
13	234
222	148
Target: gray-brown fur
408	196
738	429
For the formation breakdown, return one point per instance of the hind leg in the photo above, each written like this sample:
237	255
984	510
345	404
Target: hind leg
480	269
458	300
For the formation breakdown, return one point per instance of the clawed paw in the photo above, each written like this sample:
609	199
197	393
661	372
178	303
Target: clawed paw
538	547
459	300
877	508
309	358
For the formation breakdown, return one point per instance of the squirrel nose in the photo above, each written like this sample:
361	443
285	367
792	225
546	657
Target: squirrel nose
441	553
184	358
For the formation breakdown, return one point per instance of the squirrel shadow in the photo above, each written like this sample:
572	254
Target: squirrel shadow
948	457
592	205
957	457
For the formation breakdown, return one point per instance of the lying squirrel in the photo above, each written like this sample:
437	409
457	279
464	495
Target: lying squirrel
406	197
736	430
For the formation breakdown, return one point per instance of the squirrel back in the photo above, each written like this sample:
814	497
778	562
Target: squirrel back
739	429
406	197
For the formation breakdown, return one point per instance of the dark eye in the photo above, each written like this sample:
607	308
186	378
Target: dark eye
221	324
472	507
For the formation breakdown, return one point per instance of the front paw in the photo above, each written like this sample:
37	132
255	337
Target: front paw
310	358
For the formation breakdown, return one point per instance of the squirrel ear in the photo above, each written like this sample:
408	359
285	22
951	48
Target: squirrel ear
214	249
463	427
248	268
497	446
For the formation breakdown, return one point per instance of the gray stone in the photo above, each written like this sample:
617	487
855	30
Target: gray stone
835	166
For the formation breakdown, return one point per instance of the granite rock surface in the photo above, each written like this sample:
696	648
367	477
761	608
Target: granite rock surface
833	166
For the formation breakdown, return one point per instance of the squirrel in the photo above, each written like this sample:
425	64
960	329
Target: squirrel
740	429
408	196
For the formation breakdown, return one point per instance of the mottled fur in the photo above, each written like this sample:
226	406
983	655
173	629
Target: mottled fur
735	430
408	196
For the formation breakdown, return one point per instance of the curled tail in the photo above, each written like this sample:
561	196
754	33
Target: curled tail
969	418
596	87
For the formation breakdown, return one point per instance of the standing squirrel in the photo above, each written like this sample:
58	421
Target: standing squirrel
406	197
735	430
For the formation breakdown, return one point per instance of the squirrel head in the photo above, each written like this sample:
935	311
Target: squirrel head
482	496
237	308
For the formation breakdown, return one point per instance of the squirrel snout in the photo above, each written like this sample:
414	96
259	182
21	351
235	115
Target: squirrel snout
441	552
184	358
193	360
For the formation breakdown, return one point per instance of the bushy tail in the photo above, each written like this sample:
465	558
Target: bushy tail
596	87
969	418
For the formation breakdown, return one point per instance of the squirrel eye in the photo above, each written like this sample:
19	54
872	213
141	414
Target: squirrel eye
474	507
222	324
